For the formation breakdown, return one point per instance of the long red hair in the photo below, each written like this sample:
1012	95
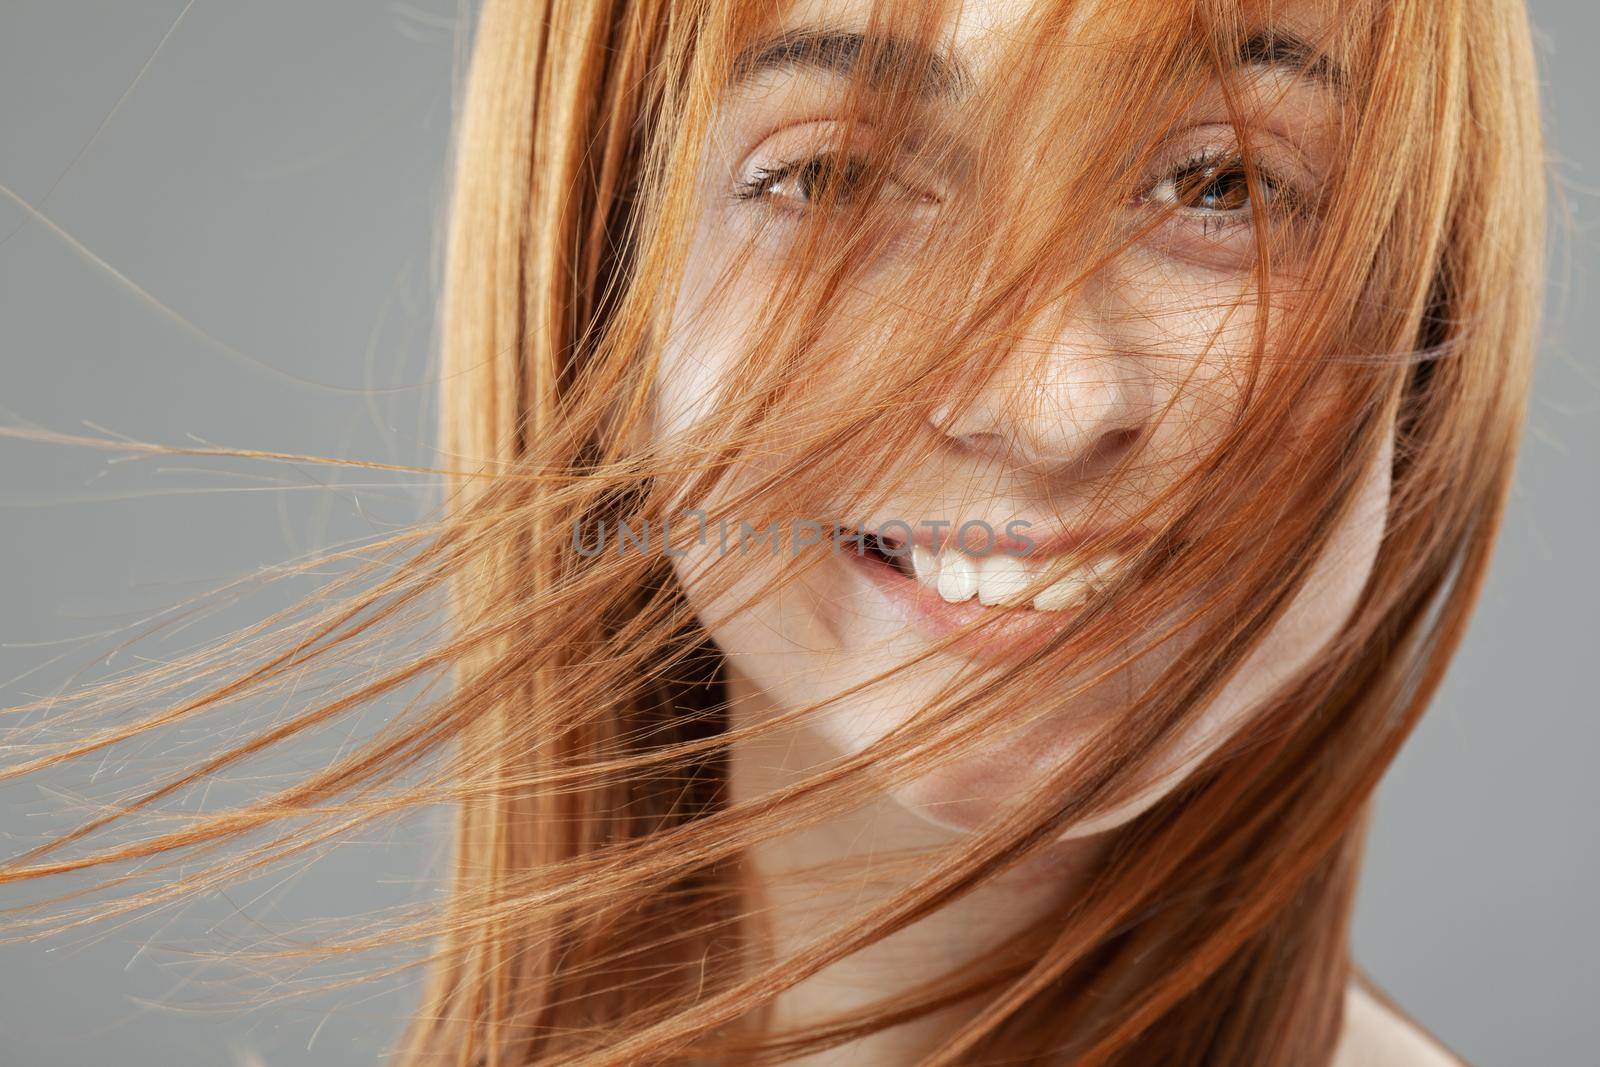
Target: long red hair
599	914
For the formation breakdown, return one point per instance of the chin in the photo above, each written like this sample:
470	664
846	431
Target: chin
964	799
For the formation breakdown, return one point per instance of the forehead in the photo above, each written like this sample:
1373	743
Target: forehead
978	29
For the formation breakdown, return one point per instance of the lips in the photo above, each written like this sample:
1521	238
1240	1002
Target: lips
1003	576
998	633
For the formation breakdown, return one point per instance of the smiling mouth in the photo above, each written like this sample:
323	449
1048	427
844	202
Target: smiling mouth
996	578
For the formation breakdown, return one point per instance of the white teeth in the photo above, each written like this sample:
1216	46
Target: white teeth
1076	586
1063	593
958	576
1001	578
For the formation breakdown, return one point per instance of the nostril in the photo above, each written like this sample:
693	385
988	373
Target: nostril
1122	440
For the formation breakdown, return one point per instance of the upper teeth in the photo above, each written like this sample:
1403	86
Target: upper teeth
1001	578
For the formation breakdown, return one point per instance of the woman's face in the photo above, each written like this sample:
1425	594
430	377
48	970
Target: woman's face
1081	426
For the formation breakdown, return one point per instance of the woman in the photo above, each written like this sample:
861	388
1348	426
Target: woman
954	508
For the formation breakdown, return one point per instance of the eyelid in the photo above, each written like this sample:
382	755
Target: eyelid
1270	148
766	179
1226	239
1271	156
794	147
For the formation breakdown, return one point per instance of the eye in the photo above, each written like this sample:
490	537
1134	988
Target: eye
1209	208
1213	185
828	179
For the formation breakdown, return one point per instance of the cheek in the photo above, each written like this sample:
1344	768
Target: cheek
1324	604
1194	335
702	347
696	362
683	397
1313	619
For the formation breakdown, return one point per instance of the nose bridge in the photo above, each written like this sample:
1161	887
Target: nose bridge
1063	392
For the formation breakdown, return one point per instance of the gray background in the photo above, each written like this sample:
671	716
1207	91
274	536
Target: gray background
274	179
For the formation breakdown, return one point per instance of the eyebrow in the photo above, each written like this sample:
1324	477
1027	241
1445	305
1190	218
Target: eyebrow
1292	53
841	52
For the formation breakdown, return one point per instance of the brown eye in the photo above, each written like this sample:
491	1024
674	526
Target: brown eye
1221	188
1211	187
829	178
826	179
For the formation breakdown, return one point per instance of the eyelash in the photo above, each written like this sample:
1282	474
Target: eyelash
1212	165
761	182
1209	165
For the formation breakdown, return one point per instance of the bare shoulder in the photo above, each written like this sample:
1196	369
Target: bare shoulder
1378	1034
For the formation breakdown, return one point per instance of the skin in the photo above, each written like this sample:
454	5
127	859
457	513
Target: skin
1049	453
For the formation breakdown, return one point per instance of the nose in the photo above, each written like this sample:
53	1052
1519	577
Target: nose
1068	402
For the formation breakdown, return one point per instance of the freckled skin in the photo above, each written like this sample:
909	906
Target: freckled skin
1086	381
827	633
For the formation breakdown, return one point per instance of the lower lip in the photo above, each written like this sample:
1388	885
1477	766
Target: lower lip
990	634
